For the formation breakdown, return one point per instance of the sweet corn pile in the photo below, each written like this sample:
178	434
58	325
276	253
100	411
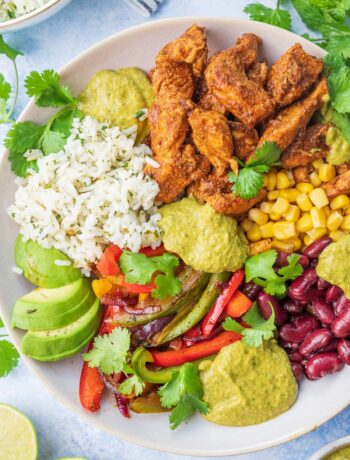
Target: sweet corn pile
294	215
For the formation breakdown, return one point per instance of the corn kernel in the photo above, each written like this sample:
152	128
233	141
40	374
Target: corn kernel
315	180
281	206
316	233
275	216
254	234
336	235
318	218
260	246
284	230
307	240
271	181
346	223
334	221
290	194
340	201
347	212
297	243
305	187
317	164
326	172
246	225
257	216
304	224
303	202
327	211
282	180
267	230
292	214
271	196
319	197
266	207
291	178
283	246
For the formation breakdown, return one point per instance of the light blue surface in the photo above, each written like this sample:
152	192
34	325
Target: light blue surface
52	44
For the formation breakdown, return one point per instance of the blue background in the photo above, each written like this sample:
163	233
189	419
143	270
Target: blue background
51	45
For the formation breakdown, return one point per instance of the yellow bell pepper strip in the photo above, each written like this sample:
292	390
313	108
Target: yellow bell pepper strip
183	323
149	404
217	309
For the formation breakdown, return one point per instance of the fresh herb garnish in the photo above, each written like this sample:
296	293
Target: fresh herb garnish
259	268
140	269
274	16
9	356
250	179
259	329
183	394
133	384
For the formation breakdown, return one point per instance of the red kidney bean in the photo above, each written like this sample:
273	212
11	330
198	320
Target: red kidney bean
282	259
314	250
322	284
313	263
297	371
304	261
289	346
323	364
322	311
332	346
296	357
342	304
343	349
341	324
265	301
251	290
304	282
333	293
315	341
297	330
292	306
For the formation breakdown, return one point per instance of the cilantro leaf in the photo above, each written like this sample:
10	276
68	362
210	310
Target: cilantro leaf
167	285
250	178
338	83
276	17
184	394
1	323
64	121
8	51
9	357
133	384
137	268
52	141
309	14
110	351
231	324
261	266
293	269
275	286
5	88
47	89
342	122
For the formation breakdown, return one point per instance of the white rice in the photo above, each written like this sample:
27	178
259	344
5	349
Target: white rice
92	193
10	9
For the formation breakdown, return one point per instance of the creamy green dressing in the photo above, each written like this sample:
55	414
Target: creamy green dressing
342	454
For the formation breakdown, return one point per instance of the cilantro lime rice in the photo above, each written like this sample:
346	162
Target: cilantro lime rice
10	9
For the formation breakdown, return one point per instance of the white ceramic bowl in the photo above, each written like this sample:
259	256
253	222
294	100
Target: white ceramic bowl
34	17
330	448
317	402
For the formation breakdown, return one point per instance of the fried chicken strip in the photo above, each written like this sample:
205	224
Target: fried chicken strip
338	186
258	72
292	75
245	140
308	146
226	78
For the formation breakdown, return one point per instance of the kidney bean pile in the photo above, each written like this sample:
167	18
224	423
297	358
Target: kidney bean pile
313	321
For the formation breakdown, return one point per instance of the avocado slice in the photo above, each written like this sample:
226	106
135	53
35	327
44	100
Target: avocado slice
44	309
39	264
64	342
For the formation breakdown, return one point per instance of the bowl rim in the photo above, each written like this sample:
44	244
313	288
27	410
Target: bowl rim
28	16
331	448
63	71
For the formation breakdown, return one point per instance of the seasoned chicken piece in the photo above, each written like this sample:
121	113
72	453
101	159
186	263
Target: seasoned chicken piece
210	102
172	81
190	48
342	168
301	174
308	146
338	186
258	72
292	75
212	136
291	120
216	190
226	78
245	140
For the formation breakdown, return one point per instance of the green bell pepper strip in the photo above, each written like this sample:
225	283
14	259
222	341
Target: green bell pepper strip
140	358
180	323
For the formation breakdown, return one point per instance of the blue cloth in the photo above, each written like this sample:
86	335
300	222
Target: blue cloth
51	45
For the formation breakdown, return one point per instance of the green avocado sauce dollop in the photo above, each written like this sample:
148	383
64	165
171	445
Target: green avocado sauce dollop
334	264
205	240
245	385
117	96
339	148
342	454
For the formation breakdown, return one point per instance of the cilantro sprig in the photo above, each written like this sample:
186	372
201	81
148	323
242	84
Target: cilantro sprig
274	16
140	269
259	329
9	356
6	111
250	179
183	394
260	269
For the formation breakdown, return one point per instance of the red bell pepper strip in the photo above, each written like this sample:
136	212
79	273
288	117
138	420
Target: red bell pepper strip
197	351
108	264
217	309
238	305
149	252
139	288
91	386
